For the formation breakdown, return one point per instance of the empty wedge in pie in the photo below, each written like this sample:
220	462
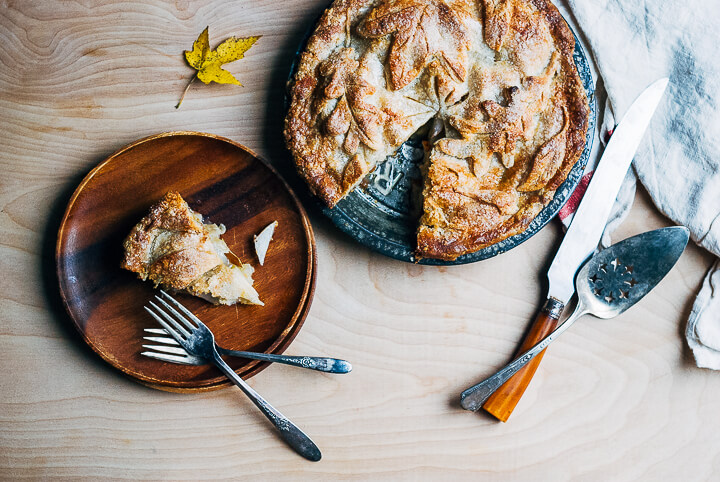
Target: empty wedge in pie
173	248
497	75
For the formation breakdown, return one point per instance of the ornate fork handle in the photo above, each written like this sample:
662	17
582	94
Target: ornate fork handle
294	437
321	364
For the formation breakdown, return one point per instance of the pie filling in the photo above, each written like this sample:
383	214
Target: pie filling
495	82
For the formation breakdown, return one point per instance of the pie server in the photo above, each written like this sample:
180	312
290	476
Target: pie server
581	239
609	283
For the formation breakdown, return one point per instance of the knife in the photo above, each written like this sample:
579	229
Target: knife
580	242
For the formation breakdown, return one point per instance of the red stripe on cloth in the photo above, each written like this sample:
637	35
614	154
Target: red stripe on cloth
608	135
571	206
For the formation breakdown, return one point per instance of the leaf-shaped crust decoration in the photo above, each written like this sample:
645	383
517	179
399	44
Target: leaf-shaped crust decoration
475	153
496	25
505	125
339	121
352	115
548	159
452	175
366	118
506	202
337	69
423	31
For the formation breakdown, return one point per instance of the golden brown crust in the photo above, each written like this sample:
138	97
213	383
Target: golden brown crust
172	214
172	247
423	31
573	93
180	269
472	223
301	133
500	73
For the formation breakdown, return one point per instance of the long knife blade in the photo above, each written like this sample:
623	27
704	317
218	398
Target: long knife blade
587	226
580	241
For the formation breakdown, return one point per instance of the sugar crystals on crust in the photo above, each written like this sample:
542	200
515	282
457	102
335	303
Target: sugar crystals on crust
497	74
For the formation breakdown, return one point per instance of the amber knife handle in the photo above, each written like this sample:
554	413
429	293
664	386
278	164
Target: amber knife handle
502	403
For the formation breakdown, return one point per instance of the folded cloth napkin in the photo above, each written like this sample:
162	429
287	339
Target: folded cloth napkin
678	162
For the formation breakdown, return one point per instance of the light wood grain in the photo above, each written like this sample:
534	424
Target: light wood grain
614	400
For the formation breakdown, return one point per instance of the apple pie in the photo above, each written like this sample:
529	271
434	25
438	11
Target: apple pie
494	84
172	247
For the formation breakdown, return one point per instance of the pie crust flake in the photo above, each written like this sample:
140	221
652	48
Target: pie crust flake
493	81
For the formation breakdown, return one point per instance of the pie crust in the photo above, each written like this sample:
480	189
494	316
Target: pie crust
496	81
172	247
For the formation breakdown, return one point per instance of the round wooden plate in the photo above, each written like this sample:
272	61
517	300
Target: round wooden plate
226	183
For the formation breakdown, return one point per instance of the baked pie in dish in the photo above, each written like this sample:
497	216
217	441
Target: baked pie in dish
172	247
493	83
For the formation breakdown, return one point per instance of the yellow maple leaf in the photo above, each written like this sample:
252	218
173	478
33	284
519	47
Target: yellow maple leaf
208	63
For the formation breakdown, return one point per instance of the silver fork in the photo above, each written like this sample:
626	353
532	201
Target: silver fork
198	340
176	354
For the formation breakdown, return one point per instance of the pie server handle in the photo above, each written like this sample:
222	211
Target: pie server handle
502	403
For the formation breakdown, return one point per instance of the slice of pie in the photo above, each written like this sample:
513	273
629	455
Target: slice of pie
497	76
172	247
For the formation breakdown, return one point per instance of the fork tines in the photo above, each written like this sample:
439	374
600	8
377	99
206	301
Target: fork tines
160	339
178	330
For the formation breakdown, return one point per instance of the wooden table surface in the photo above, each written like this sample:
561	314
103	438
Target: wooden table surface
613	400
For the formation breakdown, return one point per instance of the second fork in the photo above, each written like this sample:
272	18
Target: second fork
176	354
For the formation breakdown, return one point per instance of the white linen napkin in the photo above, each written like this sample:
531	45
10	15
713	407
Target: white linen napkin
678	162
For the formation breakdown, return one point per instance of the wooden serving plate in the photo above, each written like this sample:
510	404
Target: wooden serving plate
228	184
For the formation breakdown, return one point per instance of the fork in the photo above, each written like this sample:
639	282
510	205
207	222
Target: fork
176	354
198	340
